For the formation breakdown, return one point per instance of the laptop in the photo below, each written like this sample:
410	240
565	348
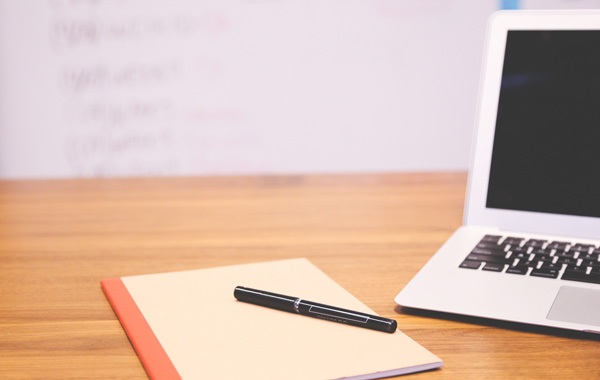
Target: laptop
528	250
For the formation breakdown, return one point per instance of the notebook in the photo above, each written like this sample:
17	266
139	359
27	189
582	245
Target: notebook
528	248
188	325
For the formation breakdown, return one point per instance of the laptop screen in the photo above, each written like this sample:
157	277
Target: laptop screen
546	151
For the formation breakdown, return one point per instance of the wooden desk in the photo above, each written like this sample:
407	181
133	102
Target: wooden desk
370	233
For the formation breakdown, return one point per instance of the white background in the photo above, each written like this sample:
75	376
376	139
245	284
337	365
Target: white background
147	87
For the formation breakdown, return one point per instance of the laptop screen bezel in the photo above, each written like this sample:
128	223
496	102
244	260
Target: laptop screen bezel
476	212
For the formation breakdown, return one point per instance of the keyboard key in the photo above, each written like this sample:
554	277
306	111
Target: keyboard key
534	243
520	256
548	259
590	263
582	247
513	241
544	273
491	238
494	267
578	254
488	258
529	264
548	271
559	245
588	256
518	269
566	260
486	251
576	269
568	254
541	252
558	252
470	264
581	276
519	249
493	246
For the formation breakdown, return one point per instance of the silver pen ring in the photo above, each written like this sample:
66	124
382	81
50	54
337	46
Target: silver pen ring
297	305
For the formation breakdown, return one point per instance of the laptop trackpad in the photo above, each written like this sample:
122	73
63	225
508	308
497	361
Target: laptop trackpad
576	305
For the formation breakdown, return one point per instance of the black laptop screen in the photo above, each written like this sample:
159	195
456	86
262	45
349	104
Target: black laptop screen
546	152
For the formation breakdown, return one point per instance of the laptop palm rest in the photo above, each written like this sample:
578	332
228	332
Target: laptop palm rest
576	305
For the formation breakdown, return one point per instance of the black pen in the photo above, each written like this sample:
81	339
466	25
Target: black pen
313	309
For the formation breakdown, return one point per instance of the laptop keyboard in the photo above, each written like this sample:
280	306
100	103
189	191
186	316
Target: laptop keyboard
533	257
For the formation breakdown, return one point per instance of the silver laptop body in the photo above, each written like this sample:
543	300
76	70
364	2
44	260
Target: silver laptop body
528	250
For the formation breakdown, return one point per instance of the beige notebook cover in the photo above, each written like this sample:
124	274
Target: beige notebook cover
189	325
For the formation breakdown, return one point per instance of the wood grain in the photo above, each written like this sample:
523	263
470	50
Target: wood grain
370	233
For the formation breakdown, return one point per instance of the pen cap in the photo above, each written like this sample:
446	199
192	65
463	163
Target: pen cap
262	298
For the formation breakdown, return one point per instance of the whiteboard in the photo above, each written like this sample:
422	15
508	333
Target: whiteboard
94	88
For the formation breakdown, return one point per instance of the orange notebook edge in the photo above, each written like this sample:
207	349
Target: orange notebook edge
151	353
